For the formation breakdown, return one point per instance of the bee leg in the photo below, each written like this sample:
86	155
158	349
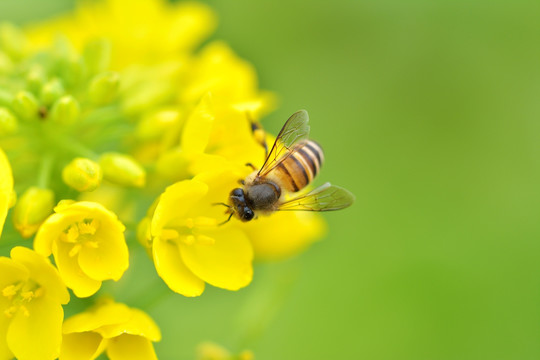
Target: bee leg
220	203
226	221
241	182
258	133
251	166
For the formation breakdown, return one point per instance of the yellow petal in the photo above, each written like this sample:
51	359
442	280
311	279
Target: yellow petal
95	318
198	127
226	264
110	258
284	234
6	188
175	202
71	273
172	270
49	232
81	346
130	347
139	324
5	353
42	272
37	335
11	272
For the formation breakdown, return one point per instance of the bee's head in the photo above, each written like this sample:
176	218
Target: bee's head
239	205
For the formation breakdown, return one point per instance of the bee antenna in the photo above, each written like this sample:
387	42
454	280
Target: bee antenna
226	221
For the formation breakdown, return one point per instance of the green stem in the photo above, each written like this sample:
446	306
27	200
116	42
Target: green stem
45	171
74	147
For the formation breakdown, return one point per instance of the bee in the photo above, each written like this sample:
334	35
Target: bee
292	163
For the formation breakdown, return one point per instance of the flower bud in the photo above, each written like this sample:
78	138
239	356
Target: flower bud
51	91
35	79
154	126
104	87
33	207
97	55
5	63
6	98
25	105
65	110
72	70
82	174
122	170
8	122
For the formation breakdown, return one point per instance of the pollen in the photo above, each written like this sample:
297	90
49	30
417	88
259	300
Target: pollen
75	250
88	227
82	231
205	240
189	240
205	222
10	290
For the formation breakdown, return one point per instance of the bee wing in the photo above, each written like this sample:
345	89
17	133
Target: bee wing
326	197
294	132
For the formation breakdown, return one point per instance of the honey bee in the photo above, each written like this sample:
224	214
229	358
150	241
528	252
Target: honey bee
292	163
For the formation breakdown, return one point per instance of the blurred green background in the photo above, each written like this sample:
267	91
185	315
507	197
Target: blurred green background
429	111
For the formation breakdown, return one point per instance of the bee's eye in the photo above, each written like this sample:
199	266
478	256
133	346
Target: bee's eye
248	214
238	192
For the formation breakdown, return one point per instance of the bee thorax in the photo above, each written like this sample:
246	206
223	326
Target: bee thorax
263	196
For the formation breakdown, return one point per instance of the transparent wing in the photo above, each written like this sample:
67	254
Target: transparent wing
294	132
326	197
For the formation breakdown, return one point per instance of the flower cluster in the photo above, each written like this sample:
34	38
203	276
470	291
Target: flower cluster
109	120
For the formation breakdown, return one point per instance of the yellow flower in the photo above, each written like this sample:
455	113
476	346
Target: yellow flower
284	233
217	69
6	188
212	351
124	333
188	246
31	296
148	33
216	135
88	244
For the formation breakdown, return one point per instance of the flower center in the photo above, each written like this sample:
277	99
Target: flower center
19	294
81	233
191	230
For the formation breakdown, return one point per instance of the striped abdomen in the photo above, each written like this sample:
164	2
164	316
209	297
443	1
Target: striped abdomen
301	167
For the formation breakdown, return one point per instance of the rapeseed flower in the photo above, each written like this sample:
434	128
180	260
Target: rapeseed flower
188	246
88	245
31	304
150	32
122	332
211	351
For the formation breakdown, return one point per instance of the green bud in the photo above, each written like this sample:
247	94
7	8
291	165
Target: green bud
35	79
8	122
82	174
6	98
173	165
25	105
97	55
12	40
51	91
157	124
104	87
122	170
72	70
33	207
65	110
5	63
